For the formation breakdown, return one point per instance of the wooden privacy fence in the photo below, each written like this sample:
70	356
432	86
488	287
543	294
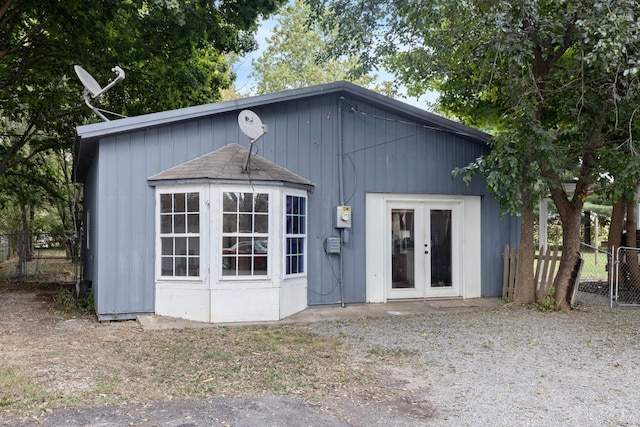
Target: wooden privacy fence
509	273
545	271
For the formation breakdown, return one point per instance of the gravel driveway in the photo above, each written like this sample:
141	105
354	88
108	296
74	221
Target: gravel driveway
512	366
505	366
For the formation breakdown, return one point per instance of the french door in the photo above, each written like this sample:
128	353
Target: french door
424	249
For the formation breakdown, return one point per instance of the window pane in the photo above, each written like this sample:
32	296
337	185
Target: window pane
260	265
179	202
179	224
246	223
300	263
229	223
303	215
261	224
229	245
193	267
165	224
261	246
228	266
289	208
167	266
229	203
193	202
295	205
193	225
181	266
167	245
194	245
245	202
181	245
262	203
245	245
165	203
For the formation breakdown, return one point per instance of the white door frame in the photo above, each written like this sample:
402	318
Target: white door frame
467	275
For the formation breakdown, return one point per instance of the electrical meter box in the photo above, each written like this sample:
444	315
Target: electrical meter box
343	217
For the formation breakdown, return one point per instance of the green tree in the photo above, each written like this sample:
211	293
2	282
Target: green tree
292	57
554	81
173	54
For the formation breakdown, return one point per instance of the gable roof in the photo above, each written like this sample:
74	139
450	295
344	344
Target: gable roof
102	129
227	164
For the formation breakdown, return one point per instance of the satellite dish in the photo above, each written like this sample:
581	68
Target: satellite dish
251	125
88	81
93	90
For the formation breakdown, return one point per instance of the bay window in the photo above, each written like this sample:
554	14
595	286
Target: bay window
245	234
295	234
180	234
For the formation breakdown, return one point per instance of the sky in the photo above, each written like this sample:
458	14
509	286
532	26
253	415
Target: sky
243	68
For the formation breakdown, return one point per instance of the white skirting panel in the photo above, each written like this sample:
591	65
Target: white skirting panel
239	302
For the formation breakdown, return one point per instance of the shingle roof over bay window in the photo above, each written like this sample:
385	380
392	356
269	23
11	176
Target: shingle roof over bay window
227	164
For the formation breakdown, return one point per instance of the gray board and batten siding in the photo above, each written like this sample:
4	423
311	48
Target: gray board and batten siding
388	147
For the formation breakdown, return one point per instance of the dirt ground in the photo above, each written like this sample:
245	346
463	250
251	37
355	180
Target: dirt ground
58	361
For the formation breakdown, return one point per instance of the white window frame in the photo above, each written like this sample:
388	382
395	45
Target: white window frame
270	235
202	234
286	236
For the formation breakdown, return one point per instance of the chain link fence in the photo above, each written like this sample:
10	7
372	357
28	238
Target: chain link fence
593	287
40	258
626	290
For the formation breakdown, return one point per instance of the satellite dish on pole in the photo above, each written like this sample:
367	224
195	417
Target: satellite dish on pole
93	90
251	125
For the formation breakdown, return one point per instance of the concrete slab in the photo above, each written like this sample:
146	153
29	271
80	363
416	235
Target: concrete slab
333	313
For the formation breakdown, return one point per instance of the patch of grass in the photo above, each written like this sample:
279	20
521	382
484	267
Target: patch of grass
133	365
548	303
18	388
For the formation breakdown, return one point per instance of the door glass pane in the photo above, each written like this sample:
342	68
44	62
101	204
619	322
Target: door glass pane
441	257
402	253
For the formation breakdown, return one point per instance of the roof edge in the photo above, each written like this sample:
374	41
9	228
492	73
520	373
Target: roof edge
261	183
102	129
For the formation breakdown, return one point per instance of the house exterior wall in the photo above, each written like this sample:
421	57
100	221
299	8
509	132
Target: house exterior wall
382	153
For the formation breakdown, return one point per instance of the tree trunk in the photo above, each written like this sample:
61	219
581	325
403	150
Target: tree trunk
27	237
525	291
571	220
